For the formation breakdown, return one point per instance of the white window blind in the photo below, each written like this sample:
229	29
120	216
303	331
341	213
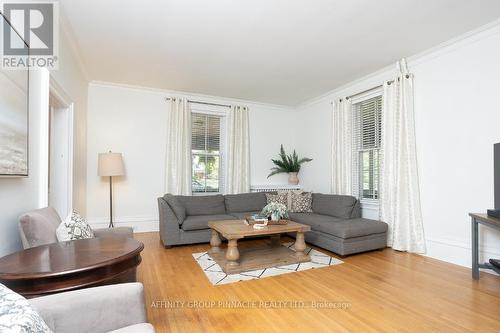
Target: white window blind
367	126
206	153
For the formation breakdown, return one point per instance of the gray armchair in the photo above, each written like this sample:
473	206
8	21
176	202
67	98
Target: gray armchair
117	308
38	227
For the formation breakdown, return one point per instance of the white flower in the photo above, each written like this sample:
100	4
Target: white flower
274	208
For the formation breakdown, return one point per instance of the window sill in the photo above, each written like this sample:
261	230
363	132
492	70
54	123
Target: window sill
373	204
205	193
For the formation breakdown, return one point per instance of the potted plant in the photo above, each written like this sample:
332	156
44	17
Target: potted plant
288	164
276	211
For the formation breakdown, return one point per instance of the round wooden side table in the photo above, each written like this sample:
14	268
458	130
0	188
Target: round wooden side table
71	265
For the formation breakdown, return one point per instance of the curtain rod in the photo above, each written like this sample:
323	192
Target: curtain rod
205	103
373	88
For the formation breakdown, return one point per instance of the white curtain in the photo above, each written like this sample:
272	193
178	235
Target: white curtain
238	151
342	147
178	152
400	195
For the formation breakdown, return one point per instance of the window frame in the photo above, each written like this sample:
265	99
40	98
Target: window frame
366	202
222	112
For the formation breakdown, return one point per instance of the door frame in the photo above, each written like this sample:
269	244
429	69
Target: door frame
58	93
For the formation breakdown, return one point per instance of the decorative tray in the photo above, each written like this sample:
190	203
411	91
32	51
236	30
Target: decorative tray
251	221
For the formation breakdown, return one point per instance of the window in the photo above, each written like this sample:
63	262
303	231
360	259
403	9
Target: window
367	125
206	152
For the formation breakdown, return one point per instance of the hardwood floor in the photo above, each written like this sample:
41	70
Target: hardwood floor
384	291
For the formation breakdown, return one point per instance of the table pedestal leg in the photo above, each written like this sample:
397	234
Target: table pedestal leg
215	242
275	240
300	245
232	253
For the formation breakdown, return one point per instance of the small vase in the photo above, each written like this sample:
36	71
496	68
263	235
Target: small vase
292	178
275	217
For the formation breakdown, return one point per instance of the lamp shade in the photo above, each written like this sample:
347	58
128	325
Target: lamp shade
110	164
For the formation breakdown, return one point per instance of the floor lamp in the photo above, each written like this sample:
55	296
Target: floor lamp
110	165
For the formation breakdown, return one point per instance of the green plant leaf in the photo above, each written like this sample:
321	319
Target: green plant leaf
305	159
287	163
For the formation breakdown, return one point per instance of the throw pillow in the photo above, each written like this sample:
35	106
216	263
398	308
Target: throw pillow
280	197
62	233
76	228
17	315
301	202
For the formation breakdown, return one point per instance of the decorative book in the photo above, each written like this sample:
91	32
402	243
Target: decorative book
250	220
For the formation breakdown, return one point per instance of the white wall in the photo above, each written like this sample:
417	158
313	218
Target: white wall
131	120
19	195
22	194
71	78
457	123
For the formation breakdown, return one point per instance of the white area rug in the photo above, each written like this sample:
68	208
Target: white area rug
216	276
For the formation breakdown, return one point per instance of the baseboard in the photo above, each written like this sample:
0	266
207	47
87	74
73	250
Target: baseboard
458	252
139	223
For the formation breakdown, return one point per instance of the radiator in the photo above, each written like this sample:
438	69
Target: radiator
274	188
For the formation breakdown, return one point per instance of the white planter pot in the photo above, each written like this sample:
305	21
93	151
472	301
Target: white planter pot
292	178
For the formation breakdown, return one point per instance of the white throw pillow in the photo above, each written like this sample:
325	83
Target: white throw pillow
17	315
74	227
62	233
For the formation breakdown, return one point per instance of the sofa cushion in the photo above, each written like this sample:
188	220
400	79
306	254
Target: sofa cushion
200	222
243	215
352	228
334	205
312	219
203	205
177	207
38	227
340	227
245	202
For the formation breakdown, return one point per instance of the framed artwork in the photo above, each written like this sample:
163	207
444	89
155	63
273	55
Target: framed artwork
14	119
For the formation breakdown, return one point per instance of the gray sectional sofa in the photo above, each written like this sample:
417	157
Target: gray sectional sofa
336	222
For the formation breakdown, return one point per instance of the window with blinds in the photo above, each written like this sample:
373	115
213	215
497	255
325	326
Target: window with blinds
206	153
367	127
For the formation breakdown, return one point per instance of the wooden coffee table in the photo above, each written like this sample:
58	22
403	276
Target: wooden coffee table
71	265
233	261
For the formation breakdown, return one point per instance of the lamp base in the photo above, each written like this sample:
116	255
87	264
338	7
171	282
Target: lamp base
111	202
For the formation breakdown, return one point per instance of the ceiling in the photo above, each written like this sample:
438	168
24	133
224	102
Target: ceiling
273	51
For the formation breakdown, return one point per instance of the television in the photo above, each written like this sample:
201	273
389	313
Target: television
496	182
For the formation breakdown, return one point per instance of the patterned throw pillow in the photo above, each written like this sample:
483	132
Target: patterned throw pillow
301	202
17	315
280	197
73	228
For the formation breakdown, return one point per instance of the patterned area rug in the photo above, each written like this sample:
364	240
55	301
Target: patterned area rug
216	276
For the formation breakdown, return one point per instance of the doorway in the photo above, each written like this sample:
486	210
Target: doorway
60	184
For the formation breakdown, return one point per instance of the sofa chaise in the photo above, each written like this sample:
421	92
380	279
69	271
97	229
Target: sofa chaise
335	220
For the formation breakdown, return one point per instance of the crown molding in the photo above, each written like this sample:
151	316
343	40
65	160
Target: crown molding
198	97
415	60
67	31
